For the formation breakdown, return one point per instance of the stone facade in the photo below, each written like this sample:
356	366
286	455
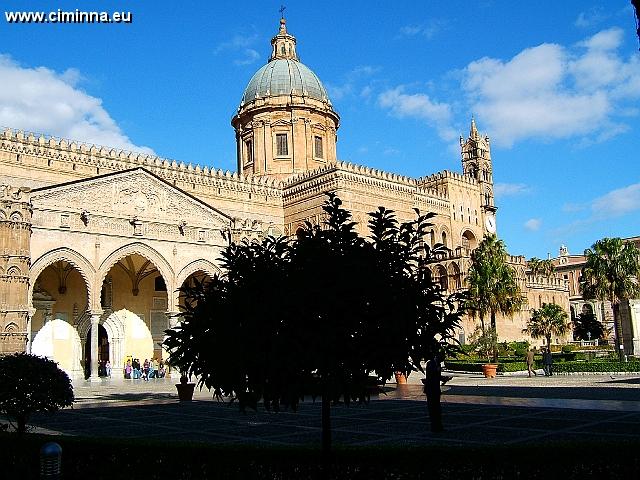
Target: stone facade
569	267
96	242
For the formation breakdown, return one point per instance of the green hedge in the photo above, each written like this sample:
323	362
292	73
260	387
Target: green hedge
597	366
558	367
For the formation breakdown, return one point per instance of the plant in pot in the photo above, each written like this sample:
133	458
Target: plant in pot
485	343
185	388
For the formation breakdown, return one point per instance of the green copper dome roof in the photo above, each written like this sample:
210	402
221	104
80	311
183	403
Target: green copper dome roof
284	77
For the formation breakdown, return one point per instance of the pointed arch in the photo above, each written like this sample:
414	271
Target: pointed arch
80	263
144	251
200	265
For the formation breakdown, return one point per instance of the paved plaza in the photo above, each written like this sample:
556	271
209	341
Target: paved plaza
509	410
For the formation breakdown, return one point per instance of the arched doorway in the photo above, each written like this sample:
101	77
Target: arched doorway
103	351
134	301
60	303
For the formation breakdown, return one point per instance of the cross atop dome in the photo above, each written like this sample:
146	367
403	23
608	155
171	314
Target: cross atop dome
283	44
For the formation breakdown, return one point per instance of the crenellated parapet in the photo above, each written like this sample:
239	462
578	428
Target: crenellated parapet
59	160
332	177
446	176
15	261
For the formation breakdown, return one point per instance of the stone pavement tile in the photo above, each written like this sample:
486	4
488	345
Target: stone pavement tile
537	423
390	428
616	427
562	414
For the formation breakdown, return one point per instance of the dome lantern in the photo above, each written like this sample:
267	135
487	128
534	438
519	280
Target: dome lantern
285	123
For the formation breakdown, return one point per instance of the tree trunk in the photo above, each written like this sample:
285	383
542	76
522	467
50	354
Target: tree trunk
21	420
548	337
326	428
617	326
482	322
495	330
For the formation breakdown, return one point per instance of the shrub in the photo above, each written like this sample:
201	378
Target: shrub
30	384
567	348
596	366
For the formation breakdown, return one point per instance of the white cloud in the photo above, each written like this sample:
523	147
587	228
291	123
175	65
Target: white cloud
249	56
614	204
533	224
240	45
418	105
617	203
356	81
590	18
42	100
505	189
428	30
552	92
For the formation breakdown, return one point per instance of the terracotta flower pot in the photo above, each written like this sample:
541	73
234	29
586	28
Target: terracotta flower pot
489	370
185	391
401	379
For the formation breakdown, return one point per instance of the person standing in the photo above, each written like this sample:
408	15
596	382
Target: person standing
432	390
531	368
547	361
107	367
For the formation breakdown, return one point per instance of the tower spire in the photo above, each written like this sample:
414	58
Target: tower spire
473	132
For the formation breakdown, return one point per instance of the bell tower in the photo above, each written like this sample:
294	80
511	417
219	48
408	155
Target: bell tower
476	163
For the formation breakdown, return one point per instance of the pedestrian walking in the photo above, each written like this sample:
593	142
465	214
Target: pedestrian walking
531	368
107	367
547	361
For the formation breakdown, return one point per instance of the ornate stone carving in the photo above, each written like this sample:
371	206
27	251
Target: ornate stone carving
135	193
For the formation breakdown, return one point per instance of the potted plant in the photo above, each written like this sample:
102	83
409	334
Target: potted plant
401	378
486	342
185	388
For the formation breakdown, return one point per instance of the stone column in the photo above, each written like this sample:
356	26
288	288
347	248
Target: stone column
173	320
31	312
95	322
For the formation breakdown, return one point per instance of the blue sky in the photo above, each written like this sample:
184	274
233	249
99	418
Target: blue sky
555	85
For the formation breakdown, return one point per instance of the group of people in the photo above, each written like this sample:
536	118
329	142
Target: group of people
153	368
547	362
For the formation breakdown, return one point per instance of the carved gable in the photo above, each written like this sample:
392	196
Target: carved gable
132	193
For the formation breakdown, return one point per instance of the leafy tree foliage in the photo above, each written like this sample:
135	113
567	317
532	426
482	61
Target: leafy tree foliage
540	267
29	384
586	323
550	319
316	316
484	341
611	272
493	287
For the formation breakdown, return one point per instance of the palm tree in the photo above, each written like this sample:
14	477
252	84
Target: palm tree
548	320
492	283
540	267
611	273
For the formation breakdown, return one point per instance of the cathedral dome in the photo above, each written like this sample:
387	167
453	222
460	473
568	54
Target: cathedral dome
283	76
